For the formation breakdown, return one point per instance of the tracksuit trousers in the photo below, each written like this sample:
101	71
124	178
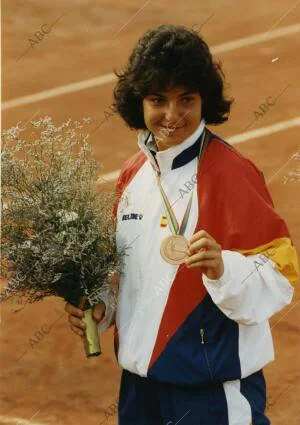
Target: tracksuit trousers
143	401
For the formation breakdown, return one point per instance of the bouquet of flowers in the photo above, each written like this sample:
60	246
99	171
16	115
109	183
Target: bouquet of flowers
58	233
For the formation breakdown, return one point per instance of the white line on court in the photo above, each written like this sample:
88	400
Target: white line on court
108	78
263	131
238	138
256	38
19	421
58	91
103	178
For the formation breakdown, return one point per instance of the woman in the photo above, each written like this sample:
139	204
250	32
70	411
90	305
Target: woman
210	260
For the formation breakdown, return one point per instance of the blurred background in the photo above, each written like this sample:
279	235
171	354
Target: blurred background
58	59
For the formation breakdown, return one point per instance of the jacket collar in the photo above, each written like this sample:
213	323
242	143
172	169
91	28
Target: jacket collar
174	157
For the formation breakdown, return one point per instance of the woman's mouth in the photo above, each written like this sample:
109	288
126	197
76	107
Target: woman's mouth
170	130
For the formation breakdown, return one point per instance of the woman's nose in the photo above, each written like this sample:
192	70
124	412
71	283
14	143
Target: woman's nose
172	113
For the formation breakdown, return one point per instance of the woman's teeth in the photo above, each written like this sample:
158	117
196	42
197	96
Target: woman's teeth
172	129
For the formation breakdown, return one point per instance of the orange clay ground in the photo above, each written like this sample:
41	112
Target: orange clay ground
51	382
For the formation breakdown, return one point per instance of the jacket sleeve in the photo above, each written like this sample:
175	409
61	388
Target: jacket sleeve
109	297
251	288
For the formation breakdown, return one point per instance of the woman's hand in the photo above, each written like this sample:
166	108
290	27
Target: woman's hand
205	253
76	315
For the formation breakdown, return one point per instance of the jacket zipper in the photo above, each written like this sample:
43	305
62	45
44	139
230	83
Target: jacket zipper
205	353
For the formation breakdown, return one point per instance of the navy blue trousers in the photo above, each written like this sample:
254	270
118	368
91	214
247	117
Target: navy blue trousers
143	401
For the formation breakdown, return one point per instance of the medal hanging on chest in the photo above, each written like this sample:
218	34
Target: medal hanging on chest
174	247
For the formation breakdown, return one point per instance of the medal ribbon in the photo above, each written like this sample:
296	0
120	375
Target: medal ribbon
172	221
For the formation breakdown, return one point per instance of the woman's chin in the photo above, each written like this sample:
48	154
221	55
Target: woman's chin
169	142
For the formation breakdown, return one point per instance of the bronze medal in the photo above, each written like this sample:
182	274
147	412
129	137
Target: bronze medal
173	249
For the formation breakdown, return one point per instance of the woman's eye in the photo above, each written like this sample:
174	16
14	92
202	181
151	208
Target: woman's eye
160	100
187	99
157	100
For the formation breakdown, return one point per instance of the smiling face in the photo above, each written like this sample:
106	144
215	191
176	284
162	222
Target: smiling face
172	116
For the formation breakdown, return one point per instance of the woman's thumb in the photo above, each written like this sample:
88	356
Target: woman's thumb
99	311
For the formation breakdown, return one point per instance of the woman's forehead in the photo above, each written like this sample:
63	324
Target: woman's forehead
174	90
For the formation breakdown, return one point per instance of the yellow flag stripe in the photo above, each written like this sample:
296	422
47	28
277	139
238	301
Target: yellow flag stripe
284	255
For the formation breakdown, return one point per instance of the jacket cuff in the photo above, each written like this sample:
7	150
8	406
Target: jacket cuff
108	296
226	276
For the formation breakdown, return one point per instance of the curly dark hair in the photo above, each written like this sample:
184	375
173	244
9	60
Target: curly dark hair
166	57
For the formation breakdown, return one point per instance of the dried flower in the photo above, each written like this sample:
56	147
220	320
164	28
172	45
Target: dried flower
58	234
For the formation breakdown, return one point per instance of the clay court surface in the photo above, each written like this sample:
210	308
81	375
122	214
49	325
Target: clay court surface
51	381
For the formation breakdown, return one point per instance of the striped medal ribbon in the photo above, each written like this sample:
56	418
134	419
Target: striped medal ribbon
173	248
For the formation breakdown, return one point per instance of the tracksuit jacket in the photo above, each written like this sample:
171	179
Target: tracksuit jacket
194	344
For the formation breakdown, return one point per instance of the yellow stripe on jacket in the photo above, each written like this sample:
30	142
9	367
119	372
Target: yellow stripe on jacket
284	255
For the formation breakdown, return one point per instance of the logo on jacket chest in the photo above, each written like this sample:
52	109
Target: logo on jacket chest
132	216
